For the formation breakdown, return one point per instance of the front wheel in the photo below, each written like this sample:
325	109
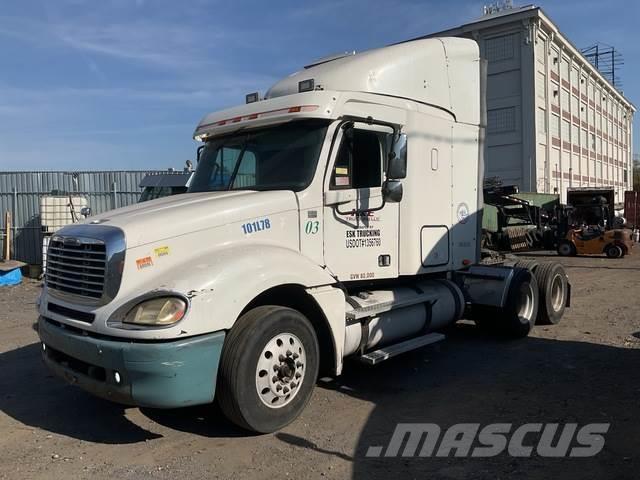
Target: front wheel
268	368
566	249
614	251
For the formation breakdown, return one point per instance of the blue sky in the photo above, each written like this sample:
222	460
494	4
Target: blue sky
121	84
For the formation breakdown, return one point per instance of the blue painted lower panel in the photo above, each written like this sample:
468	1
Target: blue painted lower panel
169	374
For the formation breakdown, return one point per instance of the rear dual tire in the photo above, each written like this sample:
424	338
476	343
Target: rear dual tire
518	316
554	291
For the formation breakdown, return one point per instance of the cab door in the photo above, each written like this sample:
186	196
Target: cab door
360	229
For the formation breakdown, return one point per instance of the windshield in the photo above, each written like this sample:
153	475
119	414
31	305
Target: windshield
282	157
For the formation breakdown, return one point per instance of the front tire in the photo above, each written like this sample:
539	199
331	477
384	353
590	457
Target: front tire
614	251
268	368
566	249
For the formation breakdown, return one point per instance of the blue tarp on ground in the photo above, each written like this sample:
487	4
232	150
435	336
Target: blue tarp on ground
12	277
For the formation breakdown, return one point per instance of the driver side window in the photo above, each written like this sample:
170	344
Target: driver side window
359	160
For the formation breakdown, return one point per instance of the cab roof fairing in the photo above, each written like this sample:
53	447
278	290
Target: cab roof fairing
316	104
441	72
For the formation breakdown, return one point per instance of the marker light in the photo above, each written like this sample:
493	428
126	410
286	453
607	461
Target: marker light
306	85
254	116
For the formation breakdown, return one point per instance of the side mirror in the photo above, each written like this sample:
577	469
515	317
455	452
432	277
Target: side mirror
392	191
397	164
200	148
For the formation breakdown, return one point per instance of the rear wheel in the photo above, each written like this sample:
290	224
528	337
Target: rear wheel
614	251
566	249
528	264
553	289
518	316
268	368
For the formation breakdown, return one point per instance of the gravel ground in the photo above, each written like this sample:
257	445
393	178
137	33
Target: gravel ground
584	370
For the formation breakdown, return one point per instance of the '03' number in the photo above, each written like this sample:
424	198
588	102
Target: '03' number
311	227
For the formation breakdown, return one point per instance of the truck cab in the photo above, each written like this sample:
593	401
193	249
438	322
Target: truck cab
337	216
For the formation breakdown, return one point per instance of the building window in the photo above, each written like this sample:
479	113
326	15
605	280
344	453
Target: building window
501	120
574	77
555	126
566	131
499	48
540	50
555	58
565	100
542	121
574	105
541	85
564	69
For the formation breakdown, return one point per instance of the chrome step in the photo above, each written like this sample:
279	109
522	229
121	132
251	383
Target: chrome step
377	356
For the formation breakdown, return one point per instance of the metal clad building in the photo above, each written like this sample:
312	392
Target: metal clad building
20	194
553	121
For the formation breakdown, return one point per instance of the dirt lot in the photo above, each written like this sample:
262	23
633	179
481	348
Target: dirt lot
587	369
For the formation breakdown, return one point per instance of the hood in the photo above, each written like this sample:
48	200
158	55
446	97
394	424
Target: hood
169	217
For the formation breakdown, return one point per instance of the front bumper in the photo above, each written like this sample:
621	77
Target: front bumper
166	374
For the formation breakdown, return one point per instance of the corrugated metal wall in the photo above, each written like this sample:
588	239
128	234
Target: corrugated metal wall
20	194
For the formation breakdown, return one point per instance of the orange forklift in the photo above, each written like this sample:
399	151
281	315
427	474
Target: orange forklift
590	226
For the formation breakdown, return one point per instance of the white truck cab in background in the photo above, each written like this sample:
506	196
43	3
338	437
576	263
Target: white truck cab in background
337	216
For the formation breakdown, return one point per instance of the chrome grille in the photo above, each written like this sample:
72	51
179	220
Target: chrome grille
77	266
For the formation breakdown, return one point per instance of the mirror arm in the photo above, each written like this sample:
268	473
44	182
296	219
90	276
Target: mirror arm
200	148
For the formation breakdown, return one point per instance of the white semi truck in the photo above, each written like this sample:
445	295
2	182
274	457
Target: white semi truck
338	216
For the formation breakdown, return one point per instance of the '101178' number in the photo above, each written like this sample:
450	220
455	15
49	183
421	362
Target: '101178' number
256	226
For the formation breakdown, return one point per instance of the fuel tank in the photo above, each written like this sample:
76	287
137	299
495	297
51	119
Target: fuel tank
407	311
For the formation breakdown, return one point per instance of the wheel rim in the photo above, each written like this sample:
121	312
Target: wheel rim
280	370
525	301
557	293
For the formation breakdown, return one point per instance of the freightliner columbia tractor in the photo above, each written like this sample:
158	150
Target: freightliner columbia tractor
338	216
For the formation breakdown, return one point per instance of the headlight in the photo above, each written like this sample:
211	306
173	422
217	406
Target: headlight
157	311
